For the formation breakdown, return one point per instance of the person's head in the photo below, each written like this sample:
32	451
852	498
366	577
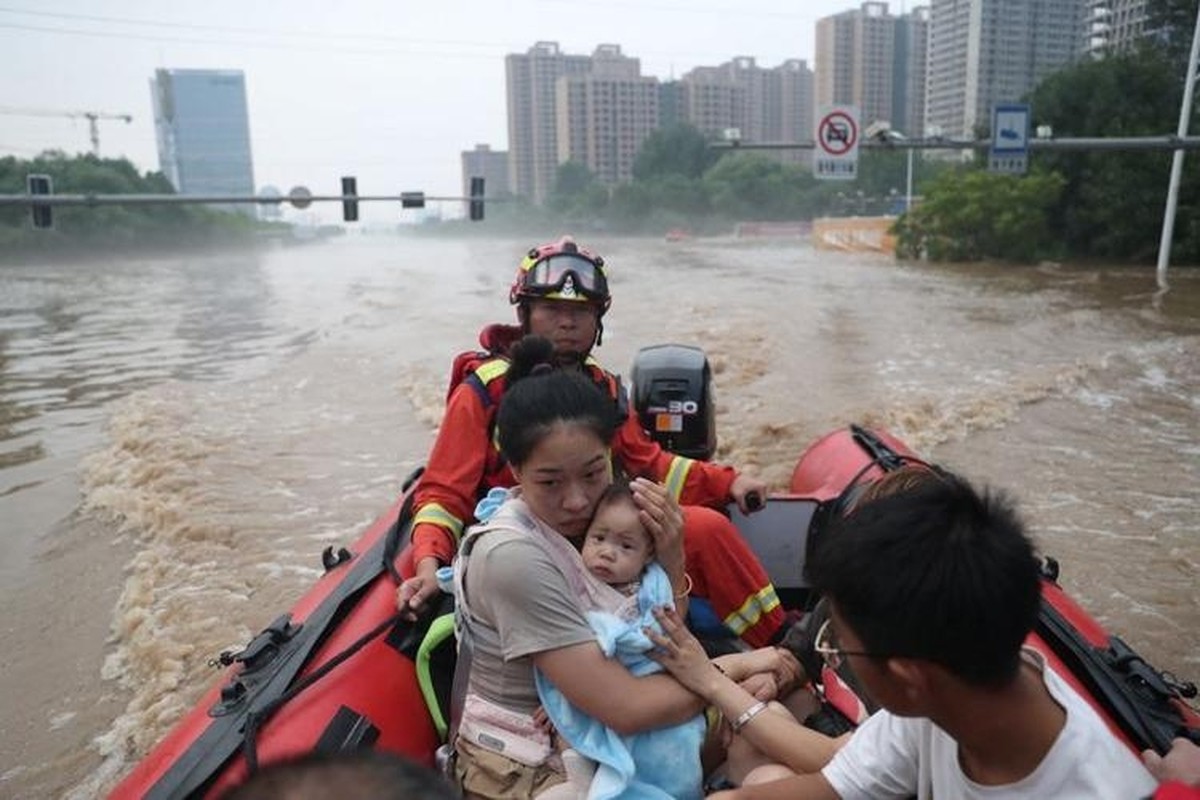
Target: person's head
554	428
561	293
617	547
362	775
926	571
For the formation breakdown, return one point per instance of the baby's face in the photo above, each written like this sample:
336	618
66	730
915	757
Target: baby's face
617	547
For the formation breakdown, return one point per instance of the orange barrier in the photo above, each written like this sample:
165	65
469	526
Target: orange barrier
854	234
772	229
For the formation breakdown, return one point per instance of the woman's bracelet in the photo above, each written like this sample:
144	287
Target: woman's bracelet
687	587
747	715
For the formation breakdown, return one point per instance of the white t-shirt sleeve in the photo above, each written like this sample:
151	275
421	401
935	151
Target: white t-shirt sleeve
899	757
881	759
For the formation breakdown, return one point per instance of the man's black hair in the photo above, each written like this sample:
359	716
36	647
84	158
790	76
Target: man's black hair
938	572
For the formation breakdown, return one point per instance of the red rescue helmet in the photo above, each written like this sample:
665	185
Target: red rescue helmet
561	270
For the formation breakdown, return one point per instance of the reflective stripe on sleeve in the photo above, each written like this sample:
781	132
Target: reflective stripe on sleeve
436	514
677	475
746	617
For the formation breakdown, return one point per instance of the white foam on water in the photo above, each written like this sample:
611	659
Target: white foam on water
231	489
62	719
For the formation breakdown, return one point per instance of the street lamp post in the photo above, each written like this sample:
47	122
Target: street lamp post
1185	110
908	183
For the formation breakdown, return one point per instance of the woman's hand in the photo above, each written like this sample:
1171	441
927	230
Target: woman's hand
414	595
777	662
663	519
681	654
762	685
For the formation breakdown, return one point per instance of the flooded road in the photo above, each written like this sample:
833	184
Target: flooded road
179	439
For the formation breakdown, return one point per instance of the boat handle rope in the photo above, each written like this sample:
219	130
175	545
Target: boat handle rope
257	718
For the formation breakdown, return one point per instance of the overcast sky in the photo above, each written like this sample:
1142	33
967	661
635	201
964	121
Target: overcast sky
391	92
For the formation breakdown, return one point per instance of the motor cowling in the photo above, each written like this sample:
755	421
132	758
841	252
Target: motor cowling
673	396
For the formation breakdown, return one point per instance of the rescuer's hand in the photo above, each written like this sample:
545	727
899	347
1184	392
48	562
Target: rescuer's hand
414	595
748	492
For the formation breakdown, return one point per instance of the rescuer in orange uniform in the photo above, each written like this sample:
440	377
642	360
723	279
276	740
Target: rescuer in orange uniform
561	293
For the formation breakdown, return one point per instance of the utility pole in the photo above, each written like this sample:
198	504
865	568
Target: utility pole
1185	111
93	118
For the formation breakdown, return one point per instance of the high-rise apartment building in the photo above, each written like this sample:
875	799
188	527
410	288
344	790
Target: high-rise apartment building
984	52
909	78
763	104
532	79
789	108
491	165
203	131
713	102
868	58
597	110
604	116
1114	25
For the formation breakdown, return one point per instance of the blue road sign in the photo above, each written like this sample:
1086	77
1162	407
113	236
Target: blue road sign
1010	139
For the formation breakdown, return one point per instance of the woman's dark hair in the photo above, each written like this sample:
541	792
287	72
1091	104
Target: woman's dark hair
539	396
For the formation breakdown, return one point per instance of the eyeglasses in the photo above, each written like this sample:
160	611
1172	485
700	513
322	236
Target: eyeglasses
565	276
826	645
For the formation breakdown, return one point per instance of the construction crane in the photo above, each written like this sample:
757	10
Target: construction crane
93	118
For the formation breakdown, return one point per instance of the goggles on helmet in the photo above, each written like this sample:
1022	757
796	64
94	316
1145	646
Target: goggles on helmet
565	276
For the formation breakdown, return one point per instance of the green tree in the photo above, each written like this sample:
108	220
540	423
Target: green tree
753	186
108	225
680	150
1112	203
576	192
971	215
1173	23
571	179
631	207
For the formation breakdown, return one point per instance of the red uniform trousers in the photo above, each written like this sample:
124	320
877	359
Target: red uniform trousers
726	573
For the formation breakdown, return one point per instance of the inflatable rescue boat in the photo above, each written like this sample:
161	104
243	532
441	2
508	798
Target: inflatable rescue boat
341	671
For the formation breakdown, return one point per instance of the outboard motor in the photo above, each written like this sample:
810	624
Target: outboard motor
672	392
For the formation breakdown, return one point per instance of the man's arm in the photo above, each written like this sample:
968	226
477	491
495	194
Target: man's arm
690	482
444	501
445	496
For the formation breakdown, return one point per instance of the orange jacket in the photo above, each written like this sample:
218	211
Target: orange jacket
465	461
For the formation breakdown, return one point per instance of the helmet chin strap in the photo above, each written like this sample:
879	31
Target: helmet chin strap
572	360
523	318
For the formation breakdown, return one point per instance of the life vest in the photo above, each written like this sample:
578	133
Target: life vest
486	374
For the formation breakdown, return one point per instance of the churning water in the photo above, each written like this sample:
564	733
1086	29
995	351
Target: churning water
180	438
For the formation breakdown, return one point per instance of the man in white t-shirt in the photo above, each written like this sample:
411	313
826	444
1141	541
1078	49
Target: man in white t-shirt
933	589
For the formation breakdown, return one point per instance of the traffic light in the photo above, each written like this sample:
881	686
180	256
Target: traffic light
41	214
412	199
349	207
475	209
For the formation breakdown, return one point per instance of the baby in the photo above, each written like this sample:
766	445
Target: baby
617	547
665	762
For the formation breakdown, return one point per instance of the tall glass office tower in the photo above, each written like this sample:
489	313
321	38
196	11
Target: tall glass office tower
203	131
